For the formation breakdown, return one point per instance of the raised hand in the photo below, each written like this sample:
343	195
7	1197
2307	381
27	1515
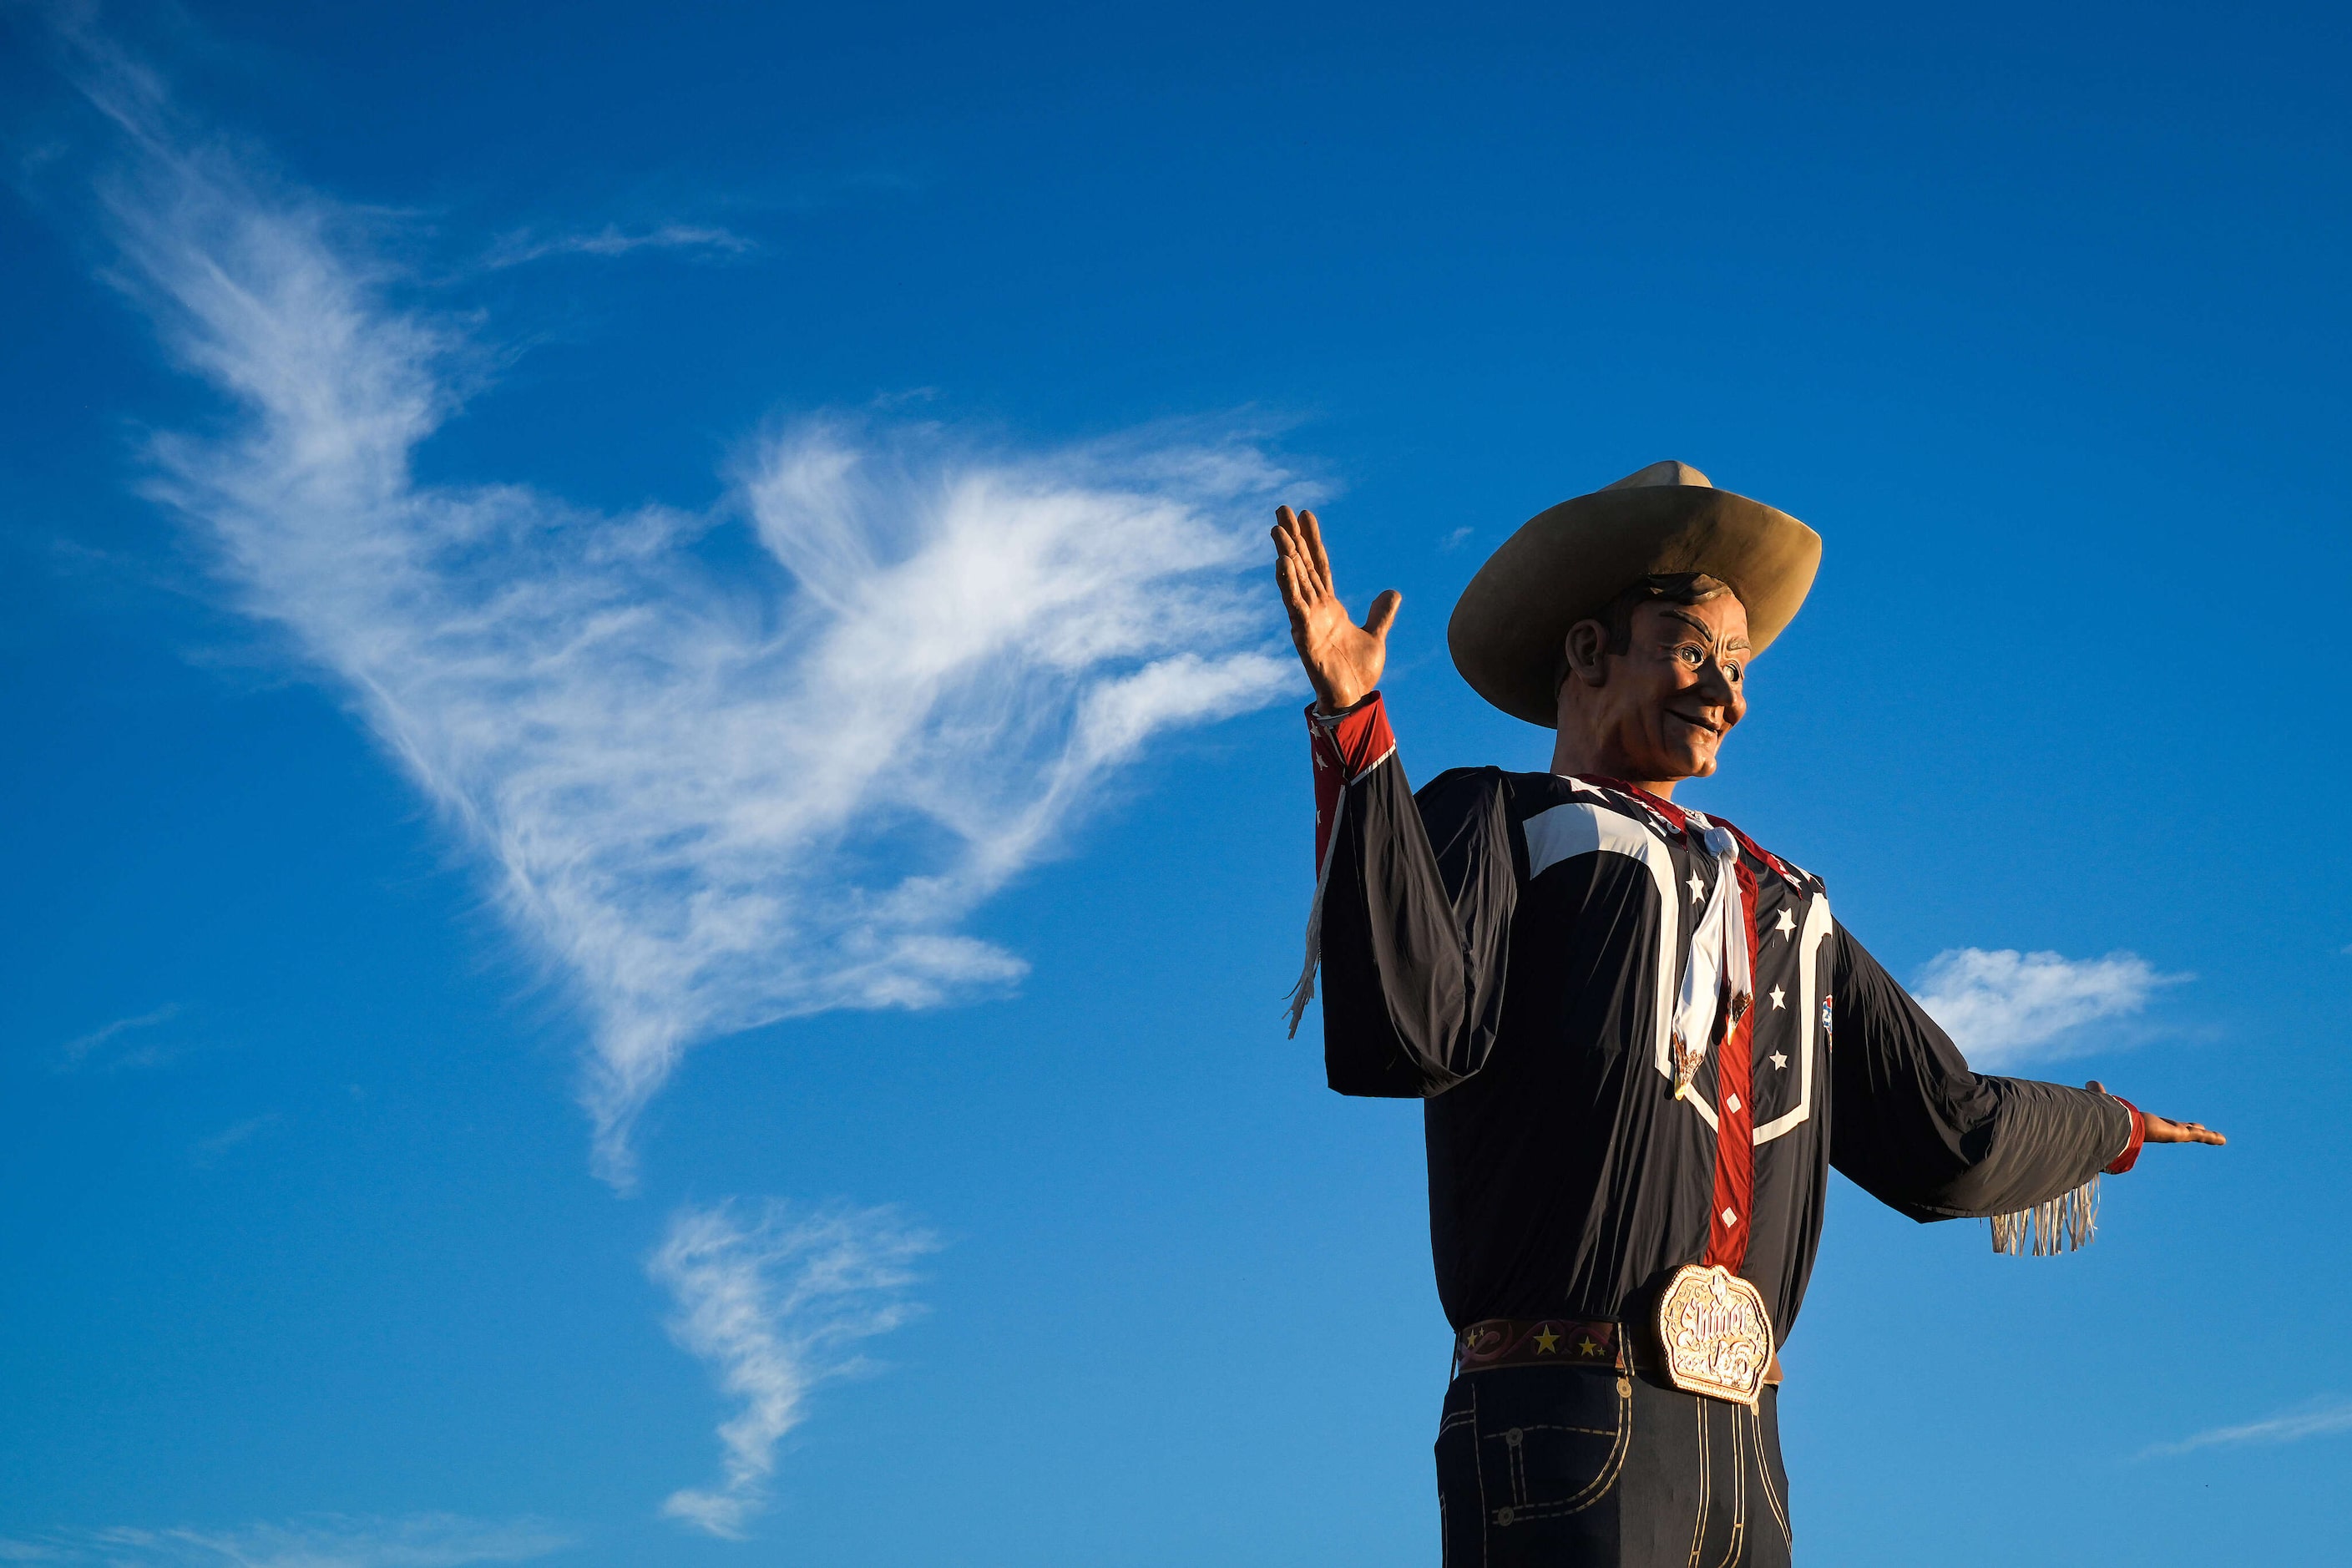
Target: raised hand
1343	660
2163	1130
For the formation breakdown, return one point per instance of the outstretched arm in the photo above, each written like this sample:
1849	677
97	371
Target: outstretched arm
1921	1132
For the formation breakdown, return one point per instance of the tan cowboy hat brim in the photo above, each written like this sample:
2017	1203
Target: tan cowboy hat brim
1565	565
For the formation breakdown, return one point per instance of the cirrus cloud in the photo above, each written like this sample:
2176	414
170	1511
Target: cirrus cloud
776	1301
710	796
320	1541
2320	1418
525	245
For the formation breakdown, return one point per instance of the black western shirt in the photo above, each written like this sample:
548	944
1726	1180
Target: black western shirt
1510	949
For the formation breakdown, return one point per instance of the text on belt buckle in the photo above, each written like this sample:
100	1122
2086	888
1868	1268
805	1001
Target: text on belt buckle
1714	1333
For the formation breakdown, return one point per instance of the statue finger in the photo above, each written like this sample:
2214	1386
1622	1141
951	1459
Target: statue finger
1290	564
1298	596
1312	527
1289	535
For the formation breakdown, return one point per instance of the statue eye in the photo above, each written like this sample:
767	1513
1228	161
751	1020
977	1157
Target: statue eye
1690	656
1734	671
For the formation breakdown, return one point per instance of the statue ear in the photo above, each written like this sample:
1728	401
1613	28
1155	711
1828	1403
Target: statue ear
1585	652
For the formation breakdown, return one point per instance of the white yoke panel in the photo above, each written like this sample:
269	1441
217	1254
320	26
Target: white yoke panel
1563	833
1808	948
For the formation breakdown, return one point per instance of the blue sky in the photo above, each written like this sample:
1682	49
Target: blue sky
656	823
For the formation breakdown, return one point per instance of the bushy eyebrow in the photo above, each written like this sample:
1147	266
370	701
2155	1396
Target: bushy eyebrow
1706	631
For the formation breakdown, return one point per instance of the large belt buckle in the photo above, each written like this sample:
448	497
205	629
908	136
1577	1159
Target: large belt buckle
1716	1335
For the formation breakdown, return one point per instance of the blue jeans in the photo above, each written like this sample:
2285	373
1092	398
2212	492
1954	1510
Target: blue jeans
1582	1468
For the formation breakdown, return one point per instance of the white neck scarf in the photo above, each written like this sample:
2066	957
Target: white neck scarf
1716	984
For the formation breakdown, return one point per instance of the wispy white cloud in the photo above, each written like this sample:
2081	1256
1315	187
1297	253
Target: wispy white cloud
82	1048
322	1540
207	1150
2320	1418
2005	1008
777	1303
713	796
524	245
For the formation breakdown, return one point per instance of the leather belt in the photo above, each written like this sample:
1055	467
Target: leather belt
1559	1342
1546	1342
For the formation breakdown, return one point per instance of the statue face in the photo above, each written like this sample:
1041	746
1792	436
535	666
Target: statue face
1660	709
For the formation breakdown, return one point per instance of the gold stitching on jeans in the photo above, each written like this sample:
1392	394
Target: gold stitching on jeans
1764	1470
1587	1431
1739	1500
1594	1489
1706	1476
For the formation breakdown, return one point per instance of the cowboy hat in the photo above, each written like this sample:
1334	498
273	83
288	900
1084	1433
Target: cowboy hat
1566	565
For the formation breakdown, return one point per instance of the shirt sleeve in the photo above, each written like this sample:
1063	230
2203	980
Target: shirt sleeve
2130	1156
1415	903
1923	1134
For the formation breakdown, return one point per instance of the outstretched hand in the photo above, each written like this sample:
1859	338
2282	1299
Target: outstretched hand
1343	660
2162	1130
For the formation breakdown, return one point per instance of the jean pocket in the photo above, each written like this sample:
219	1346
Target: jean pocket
1550	1441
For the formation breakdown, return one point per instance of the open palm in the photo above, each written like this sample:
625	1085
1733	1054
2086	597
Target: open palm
1343	660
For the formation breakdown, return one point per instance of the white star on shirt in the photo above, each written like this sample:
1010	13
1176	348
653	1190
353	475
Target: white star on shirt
1779	1060
1788	926
1697	887
1777	995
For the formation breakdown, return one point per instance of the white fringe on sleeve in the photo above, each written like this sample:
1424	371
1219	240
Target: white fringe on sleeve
1303	991
2067	1223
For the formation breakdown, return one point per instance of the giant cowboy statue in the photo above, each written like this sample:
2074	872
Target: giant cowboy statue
1640	1038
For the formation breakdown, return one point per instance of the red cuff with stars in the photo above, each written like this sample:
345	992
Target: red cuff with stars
2123	1162
1346	747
